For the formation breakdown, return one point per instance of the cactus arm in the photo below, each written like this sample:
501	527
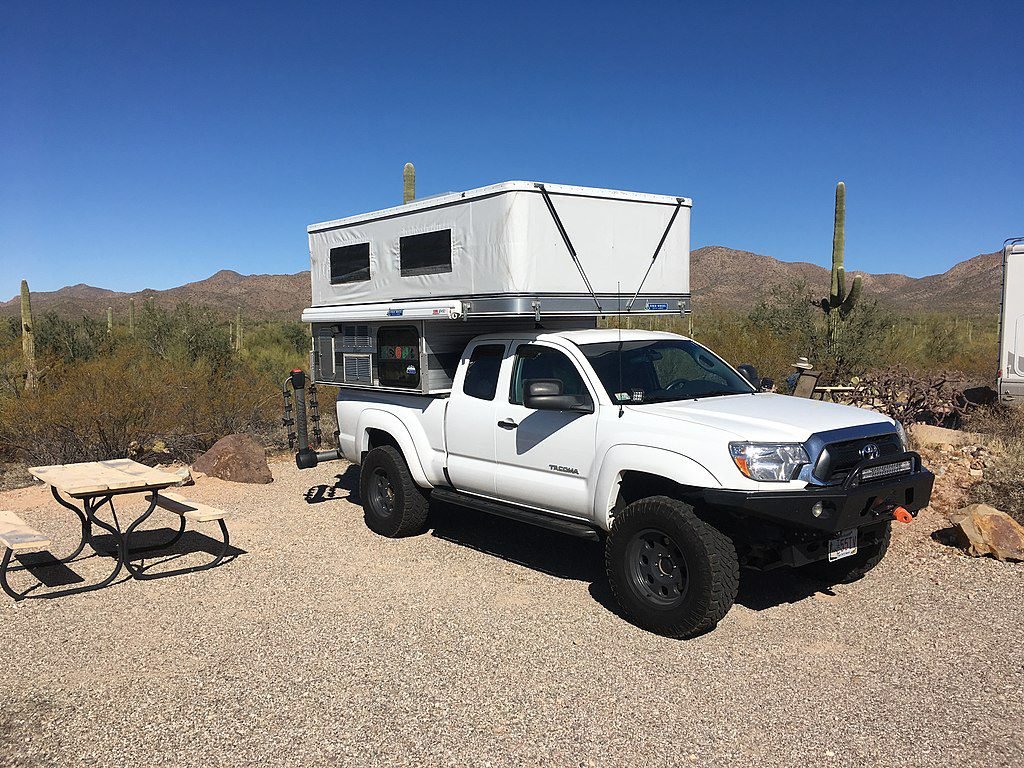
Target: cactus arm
851	301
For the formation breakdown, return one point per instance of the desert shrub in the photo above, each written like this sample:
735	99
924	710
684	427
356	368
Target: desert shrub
789	313
910	397
274	349
1003	483
124	404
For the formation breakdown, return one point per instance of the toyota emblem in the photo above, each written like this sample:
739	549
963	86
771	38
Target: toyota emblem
869	451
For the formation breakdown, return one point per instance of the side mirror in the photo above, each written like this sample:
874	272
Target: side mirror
546	395
750	374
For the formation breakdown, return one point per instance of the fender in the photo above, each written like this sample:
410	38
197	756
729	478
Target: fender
372	418
643	458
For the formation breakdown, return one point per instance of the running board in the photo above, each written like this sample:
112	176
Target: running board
571	527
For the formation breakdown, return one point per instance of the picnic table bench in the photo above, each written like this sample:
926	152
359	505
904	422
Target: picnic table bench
95	485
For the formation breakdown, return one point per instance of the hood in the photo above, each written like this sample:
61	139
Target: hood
767	417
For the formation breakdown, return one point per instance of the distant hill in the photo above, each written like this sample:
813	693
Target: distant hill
736	279
720	277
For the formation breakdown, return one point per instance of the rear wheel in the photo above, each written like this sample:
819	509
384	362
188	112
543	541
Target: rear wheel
854	567
393	505
671	572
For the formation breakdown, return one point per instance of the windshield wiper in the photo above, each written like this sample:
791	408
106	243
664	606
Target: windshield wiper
718	393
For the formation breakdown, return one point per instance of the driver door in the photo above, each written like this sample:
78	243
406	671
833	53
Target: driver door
544	458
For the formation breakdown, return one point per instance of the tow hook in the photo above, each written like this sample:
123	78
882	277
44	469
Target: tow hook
901	515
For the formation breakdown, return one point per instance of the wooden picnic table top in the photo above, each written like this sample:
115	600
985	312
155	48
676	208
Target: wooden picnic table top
93	478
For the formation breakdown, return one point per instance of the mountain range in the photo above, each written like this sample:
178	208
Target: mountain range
720	277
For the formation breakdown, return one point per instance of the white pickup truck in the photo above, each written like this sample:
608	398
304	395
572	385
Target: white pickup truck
653	444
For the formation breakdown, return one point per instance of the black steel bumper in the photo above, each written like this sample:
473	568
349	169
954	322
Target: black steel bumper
854	504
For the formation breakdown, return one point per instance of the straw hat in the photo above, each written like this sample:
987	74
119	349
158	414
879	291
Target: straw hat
803	363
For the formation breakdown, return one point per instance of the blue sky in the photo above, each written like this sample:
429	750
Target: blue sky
146	145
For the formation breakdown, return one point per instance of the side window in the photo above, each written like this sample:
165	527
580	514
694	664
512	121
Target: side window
426	254
482	374
398	357
535	362
350	263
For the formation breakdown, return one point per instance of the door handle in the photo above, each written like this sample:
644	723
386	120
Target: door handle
507	424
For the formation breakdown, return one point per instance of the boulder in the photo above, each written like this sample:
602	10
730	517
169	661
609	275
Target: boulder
984	530
927	436
238	458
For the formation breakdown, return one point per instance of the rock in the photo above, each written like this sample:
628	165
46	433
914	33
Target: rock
927	436
239	458
977	472
984	530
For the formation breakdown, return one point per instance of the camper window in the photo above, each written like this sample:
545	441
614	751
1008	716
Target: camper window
350	263
426	254
398	356
482	374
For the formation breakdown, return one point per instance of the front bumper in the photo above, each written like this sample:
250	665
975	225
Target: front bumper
854	504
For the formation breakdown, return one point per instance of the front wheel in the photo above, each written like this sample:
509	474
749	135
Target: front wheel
670	572
393	505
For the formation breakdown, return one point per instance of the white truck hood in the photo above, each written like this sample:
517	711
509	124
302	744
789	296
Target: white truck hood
766	417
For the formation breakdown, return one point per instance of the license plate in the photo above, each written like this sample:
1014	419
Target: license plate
842	545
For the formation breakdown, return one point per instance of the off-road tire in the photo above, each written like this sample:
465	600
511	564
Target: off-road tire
702	595
851	568
393	505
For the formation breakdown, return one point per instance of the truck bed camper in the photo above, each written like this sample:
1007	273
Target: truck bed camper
397	293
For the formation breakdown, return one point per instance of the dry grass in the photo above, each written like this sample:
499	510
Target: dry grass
1003	484
138	406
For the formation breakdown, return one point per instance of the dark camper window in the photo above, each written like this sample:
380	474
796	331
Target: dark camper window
426	254
398	357
350	263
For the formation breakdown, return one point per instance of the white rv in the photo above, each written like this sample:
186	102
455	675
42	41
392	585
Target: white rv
1011	324
462	333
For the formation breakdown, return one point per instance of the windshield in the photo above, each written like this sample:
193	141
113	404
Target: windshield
661	370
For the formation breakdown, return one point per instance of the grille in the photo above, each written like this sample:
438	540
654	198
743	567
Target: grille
839	458
356	369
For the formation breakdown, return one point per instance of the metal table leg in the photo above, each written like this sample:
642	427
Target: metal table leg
88	517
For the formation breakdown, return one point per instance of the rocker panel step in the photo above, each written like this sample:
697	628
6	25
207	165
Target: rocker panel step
512	512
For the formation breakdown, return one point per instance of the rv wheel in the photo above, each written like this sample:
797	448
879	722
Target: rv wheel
671	572
393	505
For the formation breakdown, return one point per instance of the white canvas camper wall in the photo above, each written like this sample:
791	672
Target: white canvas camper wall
397	293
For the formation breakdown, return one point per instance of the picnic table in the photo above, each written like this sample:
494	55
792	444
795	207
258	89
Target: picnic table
95	485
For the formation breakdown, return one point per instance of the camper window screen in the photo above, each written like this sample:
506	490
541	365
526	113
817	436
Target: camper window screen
426	254
398	357
350	263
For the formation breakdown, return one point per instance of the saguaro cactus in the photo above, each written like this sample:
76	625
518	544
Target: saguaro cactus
238	330
131	317
839	303
110	321
408	183
28	338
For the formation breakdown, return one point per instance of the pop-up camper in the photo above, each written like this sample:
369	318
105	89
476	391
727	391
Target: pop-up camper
397	293
1011	324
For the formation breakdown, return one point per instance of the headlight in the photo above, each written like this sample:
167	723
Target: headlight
769	462
903	436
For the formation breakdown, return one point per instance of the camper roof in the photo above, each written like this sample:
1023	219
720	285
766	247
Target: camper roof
437	201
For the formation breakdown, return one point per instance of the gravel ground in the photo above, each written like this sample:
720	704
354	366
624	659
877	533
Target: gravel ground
486	642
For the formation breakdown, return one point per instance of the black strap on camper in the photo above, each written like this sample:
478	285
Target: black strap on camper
568	244
657	251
